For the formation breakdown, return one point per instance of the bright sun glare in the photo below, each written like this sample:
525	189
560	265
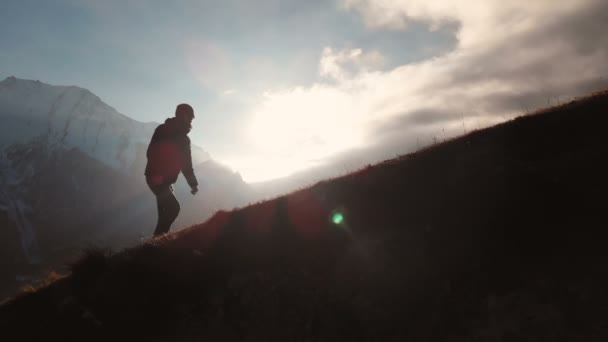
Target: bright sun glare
297	129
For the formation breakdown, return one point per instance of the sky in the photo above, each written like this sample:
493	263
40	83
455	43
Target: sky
281	86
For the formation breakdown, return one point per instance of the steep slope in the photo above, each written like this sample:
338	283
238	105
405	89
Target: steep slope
495	236
219	188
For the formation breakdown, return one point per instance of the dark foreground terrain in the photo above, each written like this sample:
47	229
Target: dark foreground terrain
500	235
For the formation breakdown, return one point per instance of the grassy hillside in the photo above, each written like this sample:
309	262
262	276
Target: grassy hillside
499	235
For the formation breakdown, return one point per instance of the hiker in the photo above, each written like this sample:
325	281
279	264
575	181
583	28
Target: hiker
168	154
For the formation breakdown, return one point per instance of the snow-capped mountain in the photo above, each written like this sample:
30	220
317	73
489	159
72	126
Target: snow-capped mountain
68	117
71	174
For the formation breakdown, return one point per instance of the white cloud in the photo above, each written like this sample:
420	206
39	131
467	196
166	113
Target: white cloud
481	21
511	57
343	64
299	128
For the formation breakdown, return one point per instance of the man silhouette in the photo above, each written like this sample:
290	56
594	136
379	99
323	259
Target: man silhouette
168	154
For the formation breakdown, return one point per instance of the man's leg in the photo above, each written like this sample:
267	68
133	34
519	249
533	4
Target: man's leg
168	208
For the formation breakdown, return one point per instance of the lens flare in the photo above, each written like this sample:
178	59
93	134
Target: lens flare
337	218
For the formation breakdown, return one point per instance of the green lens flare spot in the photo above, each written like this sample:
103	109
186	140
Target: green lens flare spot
337	218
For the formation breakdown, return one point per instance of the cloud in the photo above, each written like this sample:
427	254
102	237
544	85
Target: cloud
343	64
481	22
511	57
492	60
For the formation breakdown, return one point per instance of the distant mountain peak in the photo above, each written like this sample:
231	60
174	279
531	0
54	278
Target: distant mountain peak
73	117
13	81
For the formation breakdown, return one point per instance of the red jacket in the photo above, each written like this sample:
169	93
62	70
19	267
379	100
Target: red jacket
169	153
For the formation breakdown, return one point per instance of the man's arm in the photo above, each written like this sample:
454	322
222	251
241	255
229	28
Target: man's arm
187	169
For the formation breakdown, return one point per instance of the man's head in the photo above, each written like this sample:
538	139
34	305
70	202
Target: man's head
185	113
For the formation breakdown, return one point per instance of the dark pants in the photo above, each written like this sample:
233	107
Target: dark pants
168	207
